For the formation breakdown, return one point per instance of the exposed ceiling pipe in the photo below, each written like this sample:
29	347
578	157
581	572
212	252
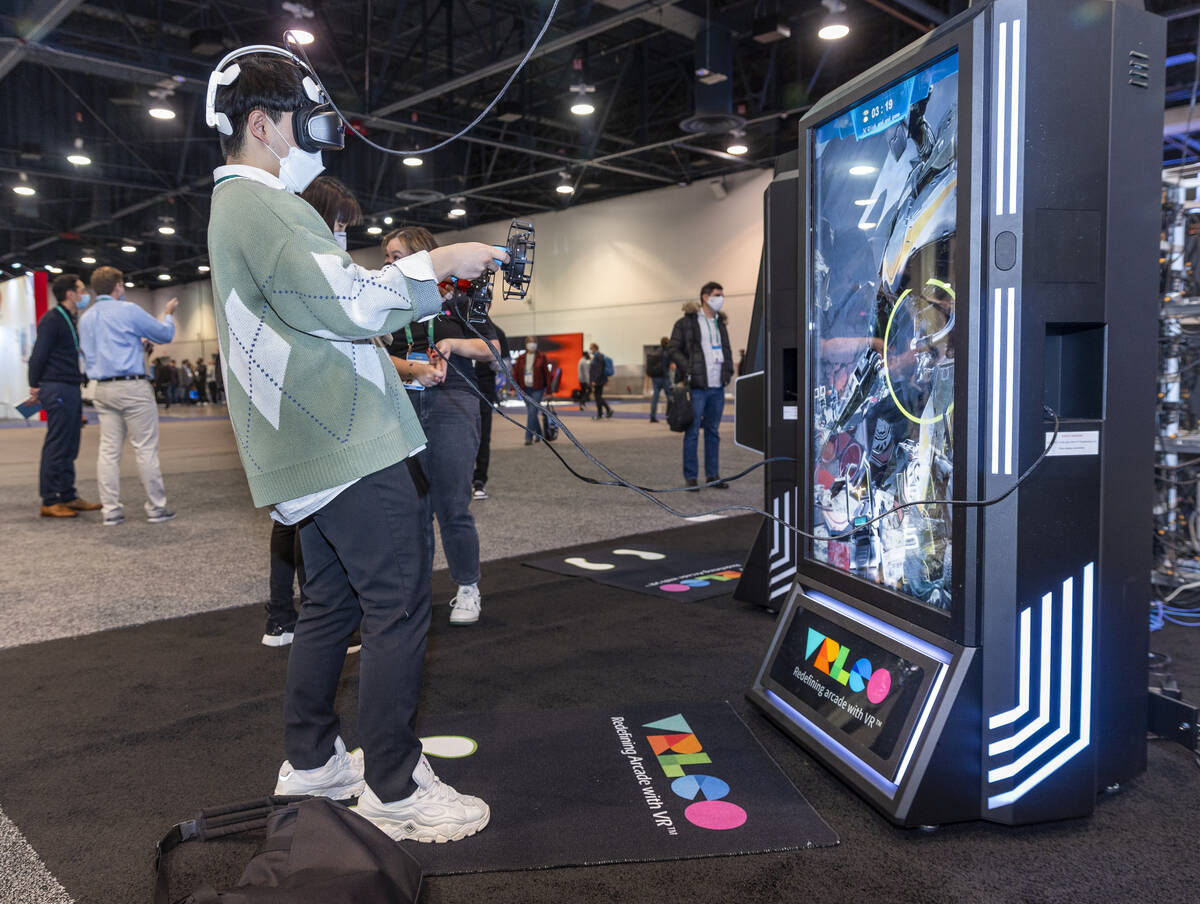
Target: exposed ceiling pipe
673	19
561	43
46	16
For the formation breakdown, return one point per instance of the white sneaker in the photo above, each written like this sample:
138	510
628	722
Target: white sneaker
464	608
340	778
434	812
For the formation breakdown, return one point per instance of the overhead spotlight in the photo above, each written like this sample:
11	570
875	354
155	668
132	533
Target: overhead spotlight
128	284
203	268
87	259
862	169
581	106
299	12
166	230
16	265
374	230
459	209
164	276
77	156
50	268
737	145
162	112
412	161
129	249
833	26
387	221
23	187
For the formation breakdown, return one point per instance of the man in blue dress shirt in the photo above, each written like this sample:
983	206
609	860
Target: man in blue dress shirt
54	380
110	334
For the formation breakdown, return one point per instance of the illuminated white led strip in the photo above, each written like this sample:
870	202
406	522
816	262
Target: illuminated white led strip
1064	698
1022	707
919	728
1014	104
775	530
1001	85
785	583
1043	717
782	552
1085	707
1008	381
997	320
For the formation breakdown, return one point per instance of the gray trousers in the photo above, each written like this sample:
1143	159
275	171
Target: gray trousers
127	409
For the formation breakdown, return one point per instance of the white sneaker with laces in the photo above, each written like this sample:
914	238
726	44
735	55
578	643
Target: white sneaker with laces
340	778
434	812
464	608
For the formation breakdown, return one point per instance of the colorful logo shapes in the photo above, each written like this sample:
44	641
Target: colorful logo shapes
830	657
681	748
685	585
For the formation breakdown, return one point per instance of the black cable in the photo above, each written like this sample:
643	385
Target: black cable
649	495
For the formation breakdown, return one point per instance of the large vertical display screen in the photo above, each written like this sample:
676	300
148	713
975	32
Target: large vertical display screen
881	328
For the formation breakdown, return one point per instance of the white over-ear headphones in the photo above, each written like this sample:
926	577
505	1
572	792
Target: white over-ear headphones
227	76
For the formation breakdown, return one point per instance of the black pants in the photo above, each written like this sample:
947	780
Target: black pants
484	456
601	405
366	567
64	413
286	565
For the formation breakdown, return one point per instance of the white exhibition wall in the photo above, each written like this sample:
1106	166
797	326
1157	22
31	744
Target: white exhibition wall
617	271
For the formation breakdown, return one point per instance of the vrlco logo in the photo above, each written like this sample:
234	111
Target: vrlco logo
830	657
680	747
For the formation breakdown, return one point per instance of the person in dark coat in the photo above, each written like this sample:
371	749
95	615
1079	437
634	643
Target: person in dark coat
598	377
699	346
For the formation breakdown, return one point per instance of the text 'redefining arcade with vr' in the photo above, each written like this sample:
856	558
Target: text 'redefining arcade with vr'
881	328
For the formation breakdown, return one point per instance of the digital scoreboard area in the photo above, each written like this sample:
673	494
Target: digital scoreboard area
973	252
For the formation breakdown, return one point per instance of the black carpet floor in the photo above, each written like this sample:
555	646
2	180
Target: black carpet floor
108	739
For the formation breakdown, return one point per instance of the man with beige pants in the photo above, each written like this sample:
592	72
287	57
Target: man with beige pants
110	336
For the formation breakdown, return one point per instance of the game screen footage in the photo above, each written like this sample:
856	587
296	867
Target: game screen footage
881	322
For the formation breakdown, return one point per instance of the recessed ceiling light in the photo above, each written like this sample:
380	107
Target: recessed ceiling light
373	230
129	249
162	112
413	161
565	189
87	259
862	169
79	159
164	276
300	36
25	190
737	149
834	31
583	108
387	221
167	230
203	268
458	212
128	285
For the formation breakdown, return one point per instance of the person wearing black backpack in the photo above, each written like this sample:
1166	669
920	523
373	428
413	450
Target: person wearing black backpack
699	346
601	370
658	364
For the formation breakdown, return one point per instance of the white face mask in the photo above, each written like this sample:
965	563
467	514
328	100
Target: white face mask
340	238
715	302
298	168
531	348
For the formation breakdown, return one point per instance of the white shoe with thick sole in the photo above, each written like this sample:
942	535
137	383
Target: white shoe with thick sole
464	608
435	812
340	778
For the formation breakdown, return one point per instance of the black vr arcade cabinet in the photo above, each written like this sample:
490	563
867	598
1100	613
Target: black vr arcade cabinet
974	251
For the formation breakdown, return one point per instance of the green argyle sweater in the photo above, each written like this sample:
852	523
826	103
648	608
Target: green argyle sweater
313	406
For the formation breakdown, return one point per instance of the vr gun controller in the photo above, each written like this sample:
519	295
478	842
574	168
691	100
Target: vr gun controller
517	273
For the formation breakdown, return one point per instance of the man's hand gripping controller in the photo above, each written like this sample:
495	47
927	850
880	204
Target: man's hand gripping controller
517	273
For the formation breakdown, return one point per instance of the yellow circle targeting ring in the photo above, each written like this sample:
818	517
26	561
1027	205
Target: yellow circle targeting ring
887	375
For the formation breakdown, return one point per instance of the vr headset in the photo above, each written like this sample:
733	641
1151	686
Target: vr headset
315	128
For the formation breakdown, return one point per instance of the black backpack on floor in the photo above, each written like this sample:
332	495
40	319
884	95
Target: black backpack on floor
316	852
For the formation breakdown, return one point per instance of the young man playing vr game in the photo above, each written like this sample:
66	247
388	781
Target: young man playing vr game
326	435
